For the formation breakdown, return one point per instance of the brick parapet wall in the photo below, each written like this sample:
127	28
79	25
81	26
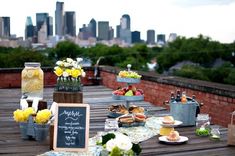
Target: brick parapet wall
11	77
218	99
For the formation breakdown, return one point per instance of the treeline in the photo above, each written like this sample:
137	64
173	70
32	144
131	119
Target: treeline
201	50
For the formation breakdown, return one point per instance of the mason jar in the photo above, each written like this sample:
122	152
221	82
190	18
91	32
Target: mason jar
32	81
203	125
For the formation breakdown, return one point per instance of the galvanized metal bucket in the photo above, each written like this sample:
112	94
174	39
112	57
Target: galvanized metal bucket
184	112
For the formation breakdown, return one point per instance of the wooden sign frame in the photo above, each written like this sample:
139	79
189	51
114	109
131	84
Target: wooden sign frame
87	118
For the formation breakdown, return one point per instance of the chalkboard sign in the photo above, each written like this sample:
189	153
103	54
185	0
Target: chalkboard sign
71	131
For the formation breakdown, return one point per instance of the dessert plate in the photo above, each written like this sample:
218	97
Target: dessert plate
177	123
182	139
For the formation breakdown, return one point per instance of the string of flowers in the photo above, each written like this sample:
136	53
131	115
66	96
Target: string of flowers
69	72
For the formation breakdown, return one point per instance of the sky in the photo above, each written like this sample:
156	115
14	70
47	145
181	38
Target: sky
189	18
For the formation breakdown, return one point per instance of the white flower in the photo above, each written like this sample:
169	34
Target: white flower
69	60
75	65
67	64
111	144
83	74
65	74
79	59
60	63
124	142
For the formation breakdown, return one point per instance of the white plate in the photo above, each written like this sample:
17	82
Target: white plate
180	141
177	123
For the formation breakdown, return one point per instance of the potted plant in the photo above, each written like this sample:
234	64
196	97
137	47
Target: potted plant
33	125
69	73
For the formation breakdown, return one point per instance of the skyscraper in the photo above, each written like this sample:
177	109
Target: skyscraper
41	18
42	33
125	32
161	39
49	26
126	22
172	37
1	27
111	33
92	27
118	28
135	37
29	28
59	19
5	30
103	30
150	37
70	23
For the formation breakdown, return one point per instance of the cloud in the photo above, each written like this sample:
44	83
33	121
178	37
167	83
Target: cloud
194	3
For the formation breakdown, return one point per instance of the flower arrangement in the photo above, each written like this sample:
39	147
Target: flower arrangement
33	125
23	115
118	144
69	72
42	117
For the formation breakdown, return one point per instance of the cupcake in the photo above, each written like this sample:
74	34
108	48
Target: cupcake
173	136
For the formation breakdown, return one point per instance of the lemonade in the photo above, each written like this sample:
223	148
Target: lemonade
32	80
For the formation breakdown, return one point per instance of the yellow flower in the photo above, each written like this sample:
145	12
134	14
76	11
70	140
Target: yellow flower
76	73
69	71
43	116
27	112
19	116
58	71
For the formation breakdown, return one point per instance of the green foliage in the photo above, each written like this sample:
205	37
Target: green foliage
223	74
116	152
191	72
231	78
66	49
136	148
107	137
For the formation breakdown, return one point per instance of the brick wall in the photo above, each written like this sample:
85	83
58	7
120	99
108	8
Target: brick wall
218	99
11	78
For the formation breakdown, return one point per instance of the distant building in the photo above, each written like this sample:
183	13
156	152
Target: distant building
103	30
42	33
92	27
126	22
5	31
125	32
41	18
111	33
59	19
118	28
135	37
29	28
1	27
172	37
150	37
84	32
161	39
49	26
70	23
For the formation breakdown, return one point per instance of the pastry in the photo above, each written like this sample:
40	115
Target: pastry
126	119
140	117
173	136
168	120
118	109
136	109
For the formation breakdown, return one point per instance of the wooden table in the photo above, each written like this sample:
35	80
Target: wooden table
99	99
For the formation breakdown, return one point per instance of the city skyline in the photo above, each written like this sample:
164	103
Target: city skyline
213	18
